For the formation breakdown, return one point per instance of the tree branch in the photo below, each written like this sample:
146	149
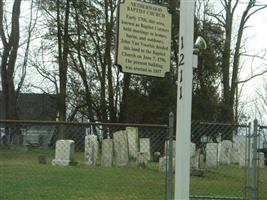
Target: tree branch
253	76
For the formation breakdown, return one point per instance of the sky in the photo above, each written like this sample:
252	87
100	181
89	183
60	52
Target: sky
256	43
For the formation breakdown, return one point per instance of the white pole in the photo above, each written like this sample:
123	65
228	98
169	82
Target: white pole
184	100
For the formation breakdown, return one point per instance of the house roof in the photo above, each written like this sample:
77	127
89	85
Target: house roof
32	106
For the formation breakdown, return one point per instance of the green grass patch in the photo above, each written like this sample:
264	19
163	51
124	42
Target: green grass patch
22	177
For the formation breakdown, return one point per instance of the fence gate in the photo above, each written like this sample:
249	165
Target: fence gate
220	161
256	179
262	162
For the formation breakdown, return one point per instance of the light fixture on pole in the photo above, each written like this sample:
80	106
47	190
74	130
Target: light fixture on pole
199	45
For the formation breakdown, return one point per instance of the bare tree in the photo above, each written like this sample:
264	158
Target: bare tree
29	31
9	56
63	52
230	65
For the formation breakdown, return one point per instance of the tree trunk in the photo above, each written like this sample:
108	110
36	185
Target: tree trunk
227	108
63	62
108	63
81	69
125	95
8	62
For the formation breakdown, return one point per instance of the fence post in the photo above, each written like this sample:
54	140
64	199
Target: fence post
170	158
247	161
254	161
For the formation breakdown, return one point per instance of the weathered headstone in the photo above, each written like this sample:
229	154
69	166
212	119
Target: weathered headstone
107	153
166	149
64	153
225	150
200	159
91	149
132	134
142	159
261	161
145	146
156	156
163	165
193	157
235	153
31	139
121	148
245	153
211	155
42	159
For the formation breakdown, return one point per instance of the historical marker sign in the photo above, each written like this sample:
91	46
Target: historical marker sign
143	38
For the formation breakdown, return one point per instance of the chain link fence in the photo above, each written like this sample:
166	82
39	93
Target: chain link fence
218	160
94	161
125	161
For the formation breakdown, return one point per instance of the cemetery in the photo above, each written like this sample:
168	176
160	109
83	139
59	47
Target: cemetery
126	155
133	99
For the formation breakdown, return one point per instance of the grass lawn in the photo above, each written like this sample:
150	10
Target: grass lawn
21	177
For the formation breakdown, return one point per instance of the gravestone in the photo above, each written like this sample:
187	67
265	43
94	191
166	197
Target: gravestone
64	155
145	146
142	159
245	158
42	159
107	153
193	157
31	139
120	148
200	159
156	156
132	135
261	158
166	149
163	165
91	149
235	153
225	151
211	155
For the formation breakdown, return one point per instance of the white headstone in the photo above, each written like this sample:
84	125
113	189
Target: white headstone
163	165
200	159
107	153
145	146
225	150
132	134
142	159
261	160
91	149
121	148
64	153
193	157
166	149
235	153
211	155
245	153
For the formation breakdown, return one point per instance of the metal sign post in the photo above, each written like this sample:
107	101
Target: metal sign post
184	99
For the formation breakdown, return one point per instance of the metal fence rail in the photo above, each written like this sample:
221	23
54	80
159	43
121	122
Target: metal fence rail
216	198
